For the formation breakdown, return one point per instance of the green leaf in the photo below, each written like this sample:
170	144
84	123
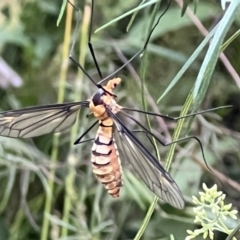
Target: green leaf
187	64
214	50
64	3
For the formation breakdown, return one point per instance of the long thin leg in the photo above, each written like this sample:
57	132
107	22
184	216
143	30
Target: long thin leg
168	144
73	45
72	50
84	141
79	141
89	41
175	118
90	44
142	50
80	138
92	52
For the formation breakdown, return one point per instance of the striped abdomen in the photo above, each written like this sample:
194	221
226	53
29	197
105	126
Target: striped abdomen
105	159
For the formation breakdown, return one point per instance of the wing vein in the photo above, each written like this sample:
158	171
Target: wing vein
36	121
144	163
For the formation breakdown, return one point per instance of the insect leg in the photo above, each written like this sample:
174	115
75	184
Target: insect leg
175	118
90	48
87	140
168	144
90	44
73	45
92	139
78	141
140	51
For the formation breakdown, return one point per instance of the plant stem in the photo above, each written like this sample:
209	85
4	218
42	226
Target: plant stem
69	183
61	91
143	84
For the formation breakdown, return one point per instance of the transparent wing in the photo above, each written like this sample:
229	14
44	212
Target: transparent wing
36	121
147	167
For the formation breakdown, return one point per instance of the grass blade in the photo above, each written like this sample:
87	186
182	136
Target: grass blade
61	12
209	63
126	14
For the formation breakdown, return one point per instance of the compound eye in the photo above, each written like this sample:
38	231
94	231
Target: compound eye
97	97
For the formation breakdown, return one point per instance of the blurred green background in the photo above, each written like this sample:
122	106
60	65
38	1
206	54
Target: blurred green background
31	44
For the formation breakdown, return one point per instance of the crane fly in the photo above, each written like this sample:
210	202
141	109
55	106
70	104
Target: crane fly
35	121
39	120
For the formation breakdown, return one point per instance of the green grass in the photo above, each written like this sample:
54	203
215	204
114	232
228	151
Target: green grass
48	188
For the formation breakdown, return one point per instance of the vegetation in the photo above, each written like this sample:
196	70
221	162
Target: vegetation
48	190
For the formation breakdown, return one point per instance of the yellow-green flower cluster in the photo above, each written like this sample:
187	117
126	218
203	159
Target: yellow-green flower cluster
211	213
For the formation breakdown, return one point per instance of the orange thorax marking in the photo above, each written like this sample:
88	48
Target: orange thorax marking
99	111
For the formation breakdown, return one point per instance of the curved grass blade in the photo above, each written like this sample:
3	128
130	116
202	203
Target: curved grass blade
126	14
8	190
146	219
184	7
64	3
173	22
209	63
230	40
188	64
133	17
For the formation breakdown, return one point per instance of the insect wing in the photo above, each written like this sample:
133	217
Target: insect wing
36	121
156	179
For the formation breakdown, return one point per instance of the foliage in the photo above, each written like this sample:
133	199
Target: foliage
37	169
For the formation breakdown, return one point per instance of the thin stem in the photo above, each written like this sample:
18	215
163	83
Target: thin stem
143	84
146	219
69	183
54	154
177	131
